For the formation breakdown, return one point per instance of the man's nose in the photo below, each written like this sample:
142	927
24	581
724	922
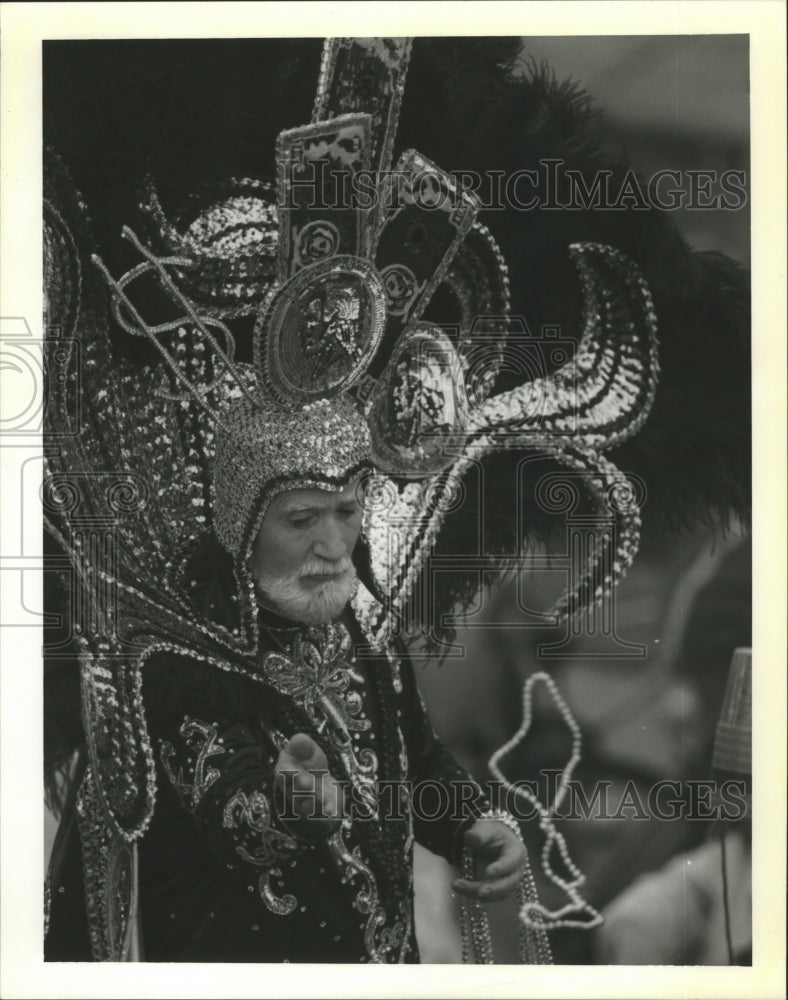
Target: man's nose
331	543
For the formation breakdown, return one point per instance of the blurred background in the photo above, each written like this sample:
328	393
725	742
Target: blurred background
678	103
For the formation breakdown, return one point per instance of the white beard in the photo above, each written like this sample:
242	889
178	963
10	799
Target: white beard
317	604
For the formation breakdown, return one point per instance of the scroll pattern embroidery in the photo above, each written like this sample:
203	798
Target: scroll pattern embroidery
280	905
201	739
381	942
261	844
252	812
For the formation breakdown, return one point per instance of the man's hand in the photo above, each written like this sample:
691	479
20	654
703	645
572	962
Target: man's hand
312	799
501	858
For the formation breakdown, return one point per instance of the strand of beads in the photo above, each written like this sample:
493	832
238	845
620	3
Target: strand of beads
474	926
534	915
534	943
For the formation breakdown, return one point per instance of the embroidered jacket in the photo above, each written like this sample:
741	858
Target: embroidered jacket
223	877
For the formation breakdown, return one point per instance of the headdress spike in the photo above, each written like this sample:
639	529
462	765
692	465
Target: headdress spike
158	265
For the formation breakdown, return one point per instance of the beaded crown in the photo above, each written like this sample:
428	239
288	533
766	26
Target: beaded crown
346	373
260	451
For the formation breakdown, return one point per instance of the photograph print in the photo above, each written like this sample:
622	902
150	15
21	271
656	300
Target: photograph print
396	500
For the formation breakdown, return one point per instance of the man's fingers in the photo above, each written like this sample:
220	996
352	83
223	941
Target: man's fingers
304	782
302	747
310	792
486	838
305	759
475	838
302	751
496	869
510	860
501	856
309	787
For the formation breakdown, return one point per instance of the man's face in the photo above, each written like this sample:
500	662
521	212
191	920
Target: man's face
301	559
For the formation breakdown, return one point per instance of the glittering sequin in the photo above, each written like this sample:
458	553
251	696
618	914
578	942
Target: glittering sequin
200	737
110	878
257	447
252	812
381	942
280	905
318	676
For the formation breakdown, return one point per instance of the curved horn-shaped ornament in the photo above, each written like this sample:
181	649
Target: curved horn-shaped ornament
611	545
604	393
478	281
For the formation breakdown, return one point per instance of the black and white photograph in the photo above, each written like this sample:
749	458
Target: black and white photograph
392	546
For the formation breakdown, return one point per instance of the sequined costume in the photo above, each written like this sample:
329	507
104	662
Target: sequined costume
222	878
186	705
346	899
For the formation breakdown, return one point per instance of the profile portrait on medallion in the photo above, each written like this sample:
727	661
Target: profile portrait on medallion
419	398
419	408
322	328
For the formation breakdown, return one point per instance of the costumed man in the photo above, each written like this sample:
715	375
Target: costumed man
308	871
249	536
289	790
266	737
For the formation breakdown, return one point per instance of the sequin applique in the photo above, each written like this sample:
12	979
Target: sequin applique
110	878
381	942
280	905
201	739
318	676
261	844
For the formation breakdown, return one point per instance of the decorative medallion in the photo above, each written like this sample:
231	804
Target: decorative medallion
316	241
322	328
402	288
418	410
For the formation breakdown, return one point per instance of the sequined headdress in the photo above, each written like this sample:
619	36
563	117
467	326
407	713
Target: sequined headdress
361	246
337	265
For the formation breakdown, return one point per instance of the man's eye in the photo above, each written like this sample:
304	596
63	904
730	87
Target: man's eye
300	522
348	512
